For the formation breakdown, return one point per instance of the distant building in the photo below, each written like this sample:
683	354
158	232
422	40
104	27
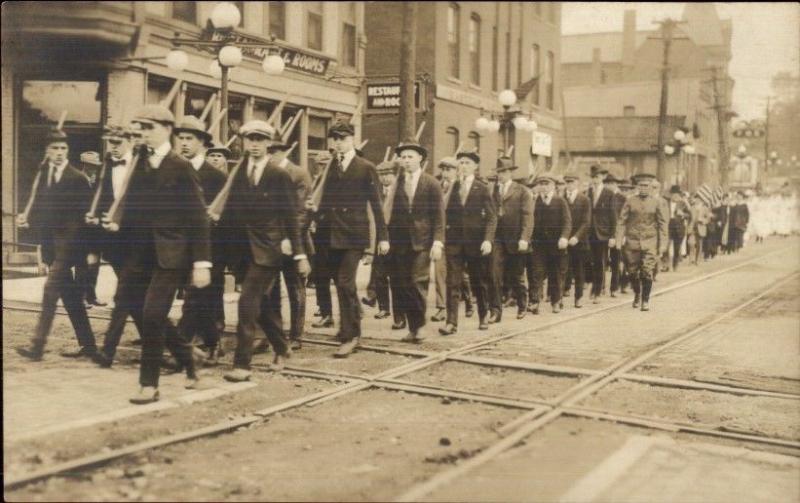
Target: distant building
612	87
467	52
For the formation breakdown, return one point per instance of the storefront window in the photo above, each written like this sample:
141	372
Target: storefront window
235	120
197	99
317	133
42	104
157	89
262	110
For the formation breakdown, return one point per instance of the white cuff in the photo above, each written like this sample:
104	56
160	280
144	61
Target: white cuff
202	264
301	256
439	244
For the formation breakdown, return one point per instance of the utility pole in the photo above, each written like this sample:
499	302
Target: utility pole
766	143
667	35
408	64
722	121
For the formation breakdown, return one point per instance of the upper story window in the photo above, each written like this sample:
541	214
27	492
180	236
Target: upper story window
475	138
185	11
549	79
348	56
629	111
277	20
475	49
452	138
313	25
495	57
453	38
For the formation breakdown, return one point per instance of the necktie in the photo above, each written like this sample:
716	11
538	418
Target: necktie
410	190
51	177
252	176
463	192
341	162
117	162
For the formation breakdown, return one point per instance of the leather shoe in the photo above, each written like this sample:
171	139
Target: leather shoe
260	346
368	302
623	290
102	360
636	300
534	308
31	354
296	343
382	314
450	329
325	322
561	304
521	314
645	306
613	294
494	318
87	305
483	325
97	303
399	325
595	299
196	383
278	363
346	348
556	308
238	375
440	315
147	394
318	313
578	303
469	311
413	337
84	352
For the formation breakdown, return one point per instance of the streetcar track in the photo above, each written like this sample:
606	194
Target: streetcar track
541	413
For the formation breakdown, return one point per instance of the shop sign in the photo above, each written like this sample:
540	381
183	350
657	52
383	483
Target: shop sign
386	96
295	59
541	144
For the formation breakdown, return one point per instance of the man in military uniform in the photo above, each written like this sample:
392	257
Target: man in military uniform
471	222
580	210
57	214
201	305
514	205
642	230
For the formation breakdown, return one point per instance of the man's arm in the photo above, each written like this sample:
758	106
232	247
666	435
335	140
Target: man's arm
526	200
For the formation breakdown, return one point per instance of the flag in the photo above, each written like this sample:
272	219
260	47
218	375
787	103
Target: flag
717	199
706	195
525	88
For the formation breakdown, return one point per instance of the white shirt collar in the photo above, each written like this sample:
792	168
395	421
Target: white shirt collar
159	154
197	161
547	197
468	180
258	167
572	195
347	157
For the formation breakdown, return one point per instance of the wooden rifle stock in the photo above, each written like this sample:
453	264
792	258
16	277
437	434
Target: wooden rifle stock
217	206
34	191
97	193
114	215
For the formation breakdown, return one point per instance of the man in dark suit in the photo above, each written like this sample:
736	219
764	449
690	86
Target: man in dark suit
678	214
87	273
165	197
416	236
740	214
552	227
514	205
200	305
343	226
601	229
57	215
321	274
295	283
470	224
580	210
614	253
261	212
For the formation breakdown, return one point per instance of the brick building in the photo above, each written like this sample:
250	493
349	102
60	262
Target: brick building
612	86
467	52
69	55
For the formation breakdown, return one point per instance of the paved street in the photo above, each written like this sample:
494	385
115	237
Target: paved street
696	400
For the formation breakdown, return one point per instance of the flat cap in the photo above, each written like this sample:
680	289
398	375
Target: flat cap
448	163
643	177
258	128
544	177
571	178
595	170
218	148
387	167
91	158
611	179
154	113
115	132
504	164
412	145
470	154
341	129
675	189
191	124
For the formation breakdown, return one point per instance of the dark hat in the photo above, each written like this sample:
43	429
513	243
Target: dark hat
257	128
411	145
544	177
218	148
387	167
643	176
448	163
471	154
115	132
675	189
504	164
560	180
491	178
611	179
595	170
154	113
341	129
625	184
55	135
192	124
571	178
91	158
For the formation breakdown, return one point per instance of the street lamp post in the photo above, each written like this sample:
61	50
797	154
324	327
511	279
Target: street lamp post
681	145
225	18
510	116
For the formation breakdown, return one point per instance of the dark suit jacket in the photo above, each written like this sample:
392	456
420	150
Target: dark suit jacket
515	217
211	181
740	215
677	223
342	221
169	201
468	226
424	223
261	217
301	181
551	222
619	201
603	225
57	216
581	214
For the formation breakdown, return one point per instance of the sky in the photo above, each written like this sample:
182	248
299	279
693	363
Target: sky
766	39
